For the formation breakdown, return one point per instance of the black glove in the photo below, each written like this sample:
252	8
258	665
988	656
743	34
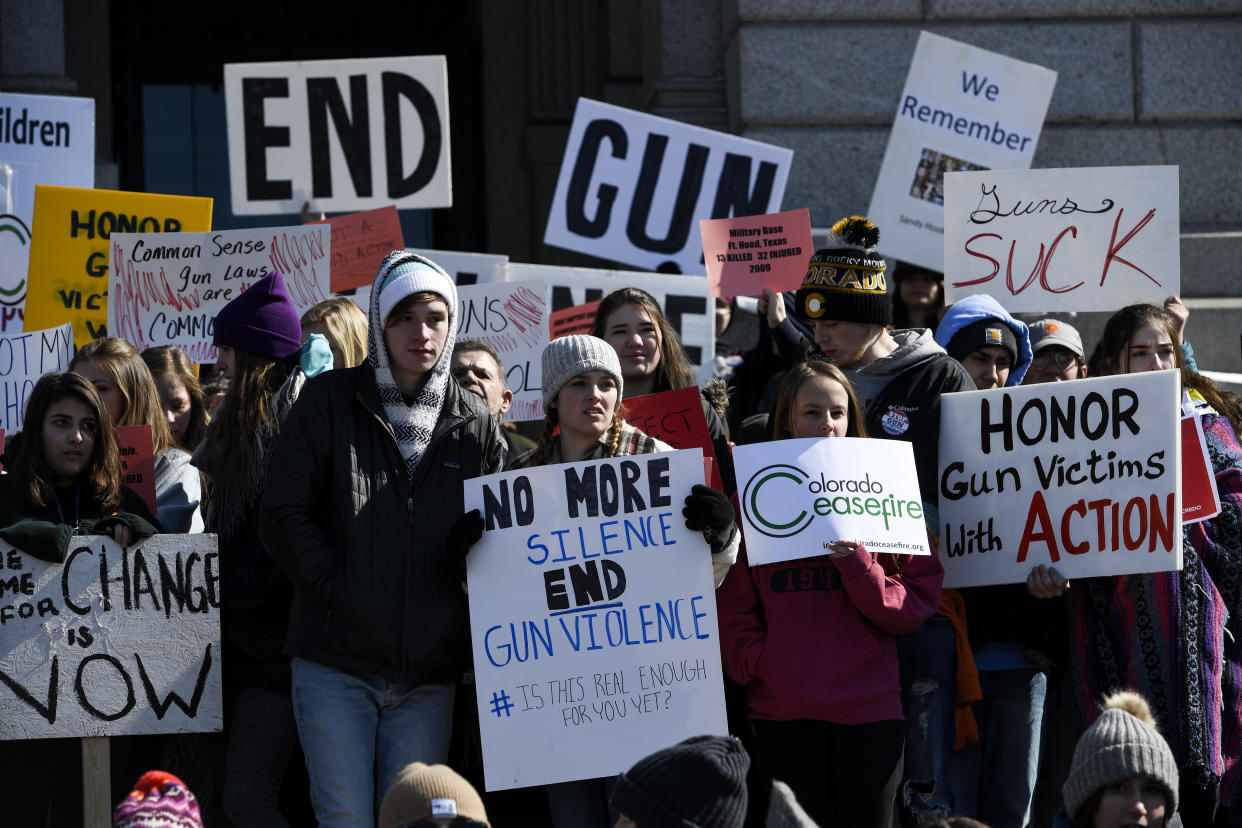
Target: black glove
710	512
463	534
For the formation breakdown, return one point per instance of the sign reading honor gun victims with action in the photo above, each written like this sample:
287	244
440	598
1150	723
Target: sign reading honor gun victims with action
800	496
593	617
113	641
511	317
1082	239
1083	476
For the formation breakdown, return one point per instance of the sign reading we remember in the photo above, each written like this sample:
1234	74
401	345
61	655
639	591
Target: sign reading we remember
633	186
1083	476
593	618
167	289
113	641
342	134
962	108
1113	232
24	358
799	496
511	317
747	254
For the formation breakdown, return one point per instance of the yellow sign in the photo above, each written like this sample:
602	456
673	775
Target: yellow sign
69	252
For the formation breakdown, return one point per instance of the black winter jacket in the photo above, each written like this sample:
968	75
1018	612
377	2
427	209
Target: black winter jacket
375	591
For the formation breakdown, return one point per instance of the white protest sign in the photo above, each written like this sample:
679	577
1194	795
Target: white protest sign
633	187
24	358
962	108
113	641
166	288
55	134
1083	476
684	299
799	496
511	317
345	135
593	617
1080	239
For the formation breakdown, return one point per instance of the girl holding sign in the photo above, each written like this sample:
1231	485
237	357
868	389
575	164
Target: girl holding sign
814	640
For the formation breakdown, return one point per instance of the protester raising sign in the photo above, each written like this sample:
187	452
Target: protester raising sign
1083	239
747	254
167	290
1083	476
23	359
593	618
511	317
113	641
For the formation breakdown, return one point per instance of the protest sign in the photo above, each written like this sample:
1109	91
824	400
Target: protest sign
342	134
1114	233
167	290
24	358
962	108
14	265
1200	498
360	241
676	417
511	317
632	186
747	254
113	641
49	139
593	618
1083	476
576	319
138	461
69	257
465	268
799	496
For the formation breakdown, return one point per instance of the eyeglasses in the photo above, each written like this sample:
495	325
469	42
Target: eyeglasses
1056	360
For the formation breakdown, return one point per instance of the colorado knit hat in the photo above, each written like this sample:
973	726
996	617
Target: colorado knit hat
426	792
697	783
403	274
1048	332
845	279
981	334
158	800
262	320
1123	742
565	358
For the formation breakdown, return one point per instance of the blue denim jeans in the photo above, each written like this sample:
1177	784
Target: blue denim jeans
928	665
358	732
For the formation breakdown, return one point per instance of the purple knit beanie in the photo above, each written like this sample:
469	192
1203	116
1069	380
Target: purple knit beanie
262	320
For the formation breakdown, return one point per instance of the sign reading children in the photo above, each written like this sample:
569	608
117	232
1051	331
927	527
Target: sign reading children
1083	476
593	618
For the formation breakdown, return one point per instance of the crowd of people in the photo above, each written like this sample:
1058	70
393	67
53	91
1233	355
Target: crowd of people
861	693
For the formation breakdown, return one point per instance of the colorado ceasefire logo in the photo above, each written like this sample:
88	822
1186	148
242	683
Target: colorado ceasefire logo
781	500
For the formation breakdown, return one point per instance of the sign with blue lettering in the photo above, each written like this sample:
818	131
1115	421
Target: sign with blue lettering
593	618
24	357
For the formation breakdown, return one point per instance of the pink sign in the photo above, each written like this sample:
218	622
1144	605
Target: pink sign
744	255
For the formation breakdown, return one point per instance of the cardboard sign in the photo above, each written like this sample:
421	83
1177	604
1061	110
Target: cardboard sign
799	496
1200	498
633	186
69	256
1083	476
342	134
138	461
1047	241
593	618
578	319
962	108
25	357
167	290
360	241
747	254
135	652
676	417
511	317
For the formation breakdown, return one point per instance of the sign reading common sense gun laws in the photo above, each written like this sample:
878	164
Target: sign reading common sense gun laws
1082	239
167	289
593	618
113	641
1083	476
633	186
25	357
342	134
800	496
962	108
511	317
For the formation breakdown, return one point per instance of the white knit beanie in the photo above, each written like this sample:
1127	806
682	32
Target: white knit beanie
565	358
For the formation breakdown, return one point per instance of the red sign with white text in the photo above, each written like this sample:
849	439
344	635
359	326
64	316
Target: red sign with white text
1200	500
676	417
138	461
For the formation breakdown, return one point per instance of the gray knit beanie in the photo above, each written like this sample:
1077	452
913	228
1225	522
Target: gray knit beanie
565	358
1121	743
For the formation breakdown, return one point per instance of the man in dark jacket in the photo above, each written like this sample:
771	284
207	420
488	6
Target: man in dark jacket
362	510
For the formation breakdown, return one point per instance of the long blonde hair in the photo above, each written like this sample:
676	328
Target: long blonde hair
140	399
346	325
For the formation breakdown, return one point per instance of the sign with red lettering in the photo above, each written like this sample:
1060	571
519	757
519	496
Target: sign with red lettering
747	254
576	319
676	417
138	461
1047	241
1200	499
360	241
1083	476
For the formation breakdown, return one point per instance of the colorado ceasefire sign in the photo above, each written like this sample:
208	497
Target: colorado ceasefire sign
344	135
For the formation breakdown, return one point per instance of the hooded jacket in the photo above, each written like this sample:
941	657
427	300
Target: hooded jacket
976	308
